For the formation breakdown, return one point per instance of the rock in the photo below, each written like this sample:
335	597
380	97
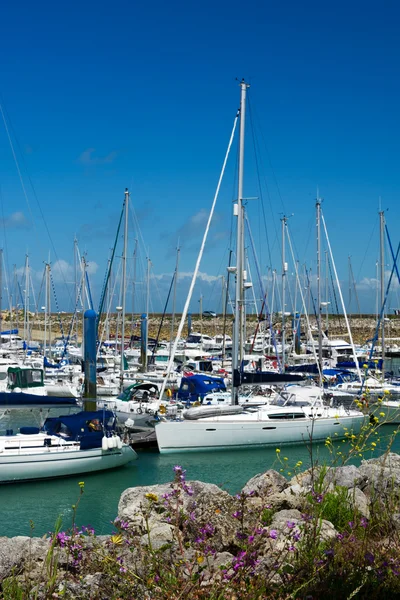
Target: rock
348	476
382	475
359	501
264	484
160	535
213	565
283	516
207	504
17	553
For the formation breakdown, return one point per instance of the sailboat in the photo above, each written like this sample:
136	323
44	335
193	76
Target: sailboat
289	421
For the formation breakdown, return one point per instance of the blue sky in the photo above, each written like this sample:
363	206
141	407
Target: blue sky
102	96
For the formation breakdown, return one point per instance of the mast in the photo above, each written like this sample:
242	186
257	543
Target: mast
174	301
1	290
237	347
48	307
134	285
126	203
318	210
146	341
382	277
284	269
326	293
76	283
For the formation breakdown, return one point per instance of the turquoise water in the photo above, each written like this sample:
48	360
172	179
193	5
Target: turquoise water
44	501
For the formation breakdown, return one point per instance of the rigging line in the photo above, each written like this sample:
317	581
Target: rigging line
5	258
378	324
259	182
391	252
269	319
272	168
163	315
319	367
109	267
334	293
17	165
341	297
7	128
368	245
110	301
196	270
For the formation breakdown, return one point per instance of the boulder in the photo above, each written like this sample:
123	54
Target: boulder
265	484
206	504
359	501
348	476
20	552
382	474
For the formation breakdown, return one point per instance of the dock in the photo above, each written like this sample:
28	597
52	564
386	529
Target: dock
144	439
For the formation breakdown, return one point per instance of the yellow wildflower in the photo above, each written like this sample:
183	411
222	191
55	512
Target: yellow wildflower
116	539
151	497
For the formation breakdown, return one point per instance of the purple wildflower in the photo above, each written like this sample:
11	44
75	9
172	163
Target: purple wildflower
290	524
363	522
273	534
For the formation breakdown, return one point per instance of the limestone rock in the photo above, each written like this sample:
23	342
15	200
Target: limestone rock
264	484
20	552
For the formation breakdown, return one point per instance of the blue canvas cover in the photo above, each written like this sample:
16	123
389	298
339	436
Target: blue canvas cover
197	386
88	427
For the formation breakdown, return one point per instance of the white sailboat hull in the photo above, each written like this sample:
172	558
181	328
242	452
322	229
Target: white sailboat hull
41	463
219	434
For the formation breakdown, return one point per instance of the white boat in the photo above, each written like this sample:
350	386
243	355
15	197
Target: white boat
266	426
289	422
67	445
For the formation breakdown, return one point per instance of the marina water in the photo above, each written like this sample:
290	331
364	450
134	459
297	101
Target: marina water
38	504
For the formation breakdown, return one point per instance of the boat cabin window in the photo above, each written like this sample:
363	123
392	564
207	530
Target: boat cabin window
62	430
34	376
206	365
287	416
94	425
3	376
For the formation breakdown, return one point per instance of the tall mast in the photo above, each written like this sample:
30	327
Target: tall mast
284	269
134	285
326	292
318	210
382	276
76	283
1	290
174	301
124	286
237	348
48	307
146	341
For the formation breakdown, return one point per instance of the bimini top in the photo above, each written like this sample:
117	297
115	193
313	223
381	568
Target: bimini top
199	385
88	427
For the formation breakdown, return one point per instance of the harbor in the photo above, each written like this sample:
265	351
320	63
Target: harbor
42	502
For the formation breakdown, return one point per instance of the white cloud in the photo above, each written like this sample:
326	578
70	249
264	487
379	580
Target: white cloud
87	158
16	220
188	275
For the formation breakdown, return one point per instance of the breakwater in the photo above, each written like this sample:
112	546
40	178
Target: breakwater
325	530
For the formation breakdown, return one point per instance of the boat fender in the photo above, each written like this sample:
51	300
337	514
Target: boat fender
162	410
119	442
104	443
115	441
